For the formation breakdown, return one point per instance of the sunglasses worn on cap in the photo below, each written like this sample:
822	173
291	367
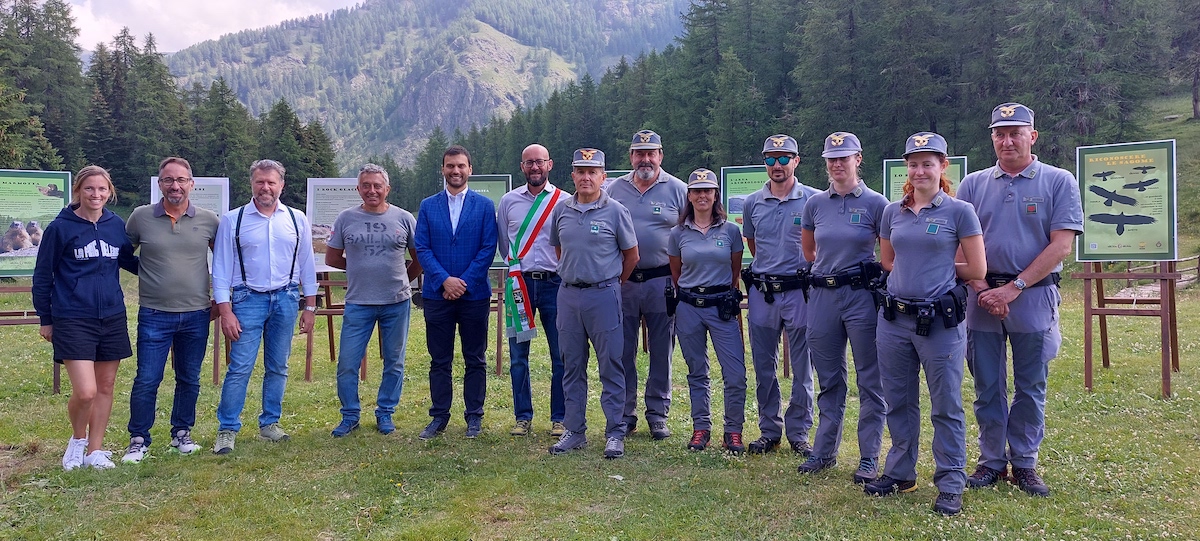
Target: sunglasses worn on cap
783	160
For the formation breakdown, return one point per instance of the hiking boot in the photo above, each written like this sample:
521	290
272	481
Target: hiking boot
614	448
474	426
344	428
568	442
801	447
763	445
700	439
73	457
521	428
1029	481
886	486
433	429
659	430
99	460
182	442
273	432
868	469
384	424
557	429
733	443
224	444
136	451
947	504
815	464
986	477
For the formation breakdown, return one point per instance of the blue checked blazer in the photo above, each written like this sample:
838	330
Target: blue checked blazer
464	254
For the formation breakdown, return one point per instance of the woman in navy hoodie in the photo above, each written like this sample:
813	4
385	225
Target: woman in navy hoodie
77	294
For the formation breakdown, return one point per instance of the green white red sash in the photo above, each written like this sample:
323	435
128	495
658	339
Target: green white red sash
518	324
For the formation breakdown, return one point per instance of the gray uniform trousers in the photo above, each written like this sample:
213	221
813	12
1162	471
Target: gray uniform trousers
902	356
767	321
691	325
835	315
592	314
1021	425
640	299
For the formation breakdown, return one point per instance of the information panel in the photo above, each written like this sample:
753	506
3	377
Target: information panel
494	187
1129	198
737	182
29	200
328	197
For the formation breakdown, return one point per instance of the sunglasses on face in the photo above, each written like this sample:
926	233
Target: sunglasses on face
782	160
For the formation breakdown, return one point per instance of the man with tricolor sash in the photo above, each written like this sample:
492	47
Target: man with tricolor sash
531	287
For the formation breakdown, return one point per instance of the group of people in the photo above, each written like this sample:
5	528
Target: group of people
965	276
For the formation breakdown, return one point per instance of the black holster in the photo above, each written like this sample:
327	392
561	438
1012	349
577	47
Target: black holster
953	306
730	305
885	302
672	299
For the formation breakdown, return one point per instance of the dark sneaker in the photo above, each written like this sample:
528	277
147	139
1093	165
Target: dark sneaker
474	426
434	429
700	439
868	469
614	448
659	430
947	504
385	424
1029	481
815	464
801	447
344	428
763	445
886	486
986	477
521	428
733	443
568	442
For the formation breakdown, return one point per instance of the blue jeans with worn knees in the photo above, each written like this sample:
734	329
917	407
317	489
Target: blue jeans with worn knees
157	333
358	323
543	299
269	319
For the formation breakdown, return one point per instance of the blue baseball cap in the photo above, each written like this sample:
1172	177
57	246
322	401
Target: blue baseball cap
840	144
588	157
925	141
701	179
1011	114
781	143
645	140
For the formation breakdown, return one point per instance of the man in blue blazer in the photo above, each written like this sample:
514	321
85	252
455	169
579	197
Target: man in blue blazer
456	244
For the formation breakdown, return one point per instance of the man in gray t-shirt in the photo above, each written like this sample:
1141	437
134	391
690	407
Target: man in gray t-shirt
369	241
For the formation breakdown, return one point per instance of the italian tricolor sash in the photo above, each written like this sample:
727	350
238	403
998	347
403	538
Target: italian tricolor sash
518	324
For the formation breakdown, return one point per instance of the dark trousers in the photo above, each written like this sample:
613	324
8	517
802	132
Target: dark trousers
471	320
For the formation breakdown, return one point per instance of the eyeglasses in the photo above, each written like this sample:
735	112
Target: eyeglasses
783	160
534	163
167	181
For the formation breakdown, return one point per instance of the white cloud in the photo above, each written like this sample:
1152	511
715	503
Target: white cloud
177	24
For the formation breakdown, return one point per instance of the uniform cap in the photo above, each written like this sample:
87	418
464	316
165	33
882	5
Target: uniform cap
925	141
1011	114
588	157
841	144
645	140
780	143
702	179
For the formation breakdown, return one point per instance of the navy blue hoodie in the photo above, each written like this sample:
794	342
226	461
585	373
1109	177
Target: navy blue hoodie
77	274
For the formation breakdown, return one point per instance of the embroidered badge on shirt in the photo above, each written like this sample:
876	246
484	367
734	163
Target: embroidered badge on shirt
595	229
796	220
720	243
657	210
856	218
932	229
1030	208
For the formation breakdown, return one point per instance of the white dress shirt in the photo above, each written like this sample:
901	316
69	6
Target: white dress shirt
268	243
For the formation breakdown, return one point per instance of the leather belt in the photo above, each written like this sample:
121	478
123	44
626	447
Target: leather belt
995	279
643	275
540	275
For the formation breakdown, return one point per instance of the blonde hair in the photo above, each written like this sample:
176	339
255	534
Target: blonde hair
92	171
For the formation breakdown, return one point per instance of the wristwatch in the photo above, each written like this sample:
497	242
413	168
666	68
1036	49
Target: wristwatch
1019	284
313	308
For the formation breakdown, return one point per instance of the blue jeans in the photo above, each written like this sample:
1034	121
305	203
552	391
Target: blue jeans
358	322
269	318
471	319
543	299
157	333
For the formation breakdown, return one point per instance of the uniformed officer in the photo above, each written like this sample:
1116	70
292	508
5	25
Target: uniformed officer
918	326
1030	213
841	229
706	257
597	250
654	198
772	220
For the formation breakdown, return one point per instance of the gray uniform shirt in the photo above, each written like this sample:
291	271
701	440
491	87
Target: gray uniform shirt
774	225
845	227
705	256
514	207
591	240
173	274
654	213
374	245
925	245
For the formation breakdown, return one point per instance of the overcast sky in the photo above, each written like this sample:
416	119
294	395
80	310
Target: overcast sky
179	23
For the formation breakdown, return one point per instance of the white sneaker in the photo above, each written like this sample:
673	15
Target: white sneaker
136	451
100	460
183	443
73	458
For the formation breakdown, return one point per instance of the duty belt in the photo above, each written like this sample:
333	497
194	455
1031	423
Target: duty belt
995	279
539	275
770	284
951	306
726	300
643	275
585	285
853	279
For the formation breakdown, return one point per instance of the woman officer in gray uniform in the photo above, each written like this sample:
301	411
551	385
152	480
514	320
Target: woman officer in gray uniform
841	229
918	326
705	254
